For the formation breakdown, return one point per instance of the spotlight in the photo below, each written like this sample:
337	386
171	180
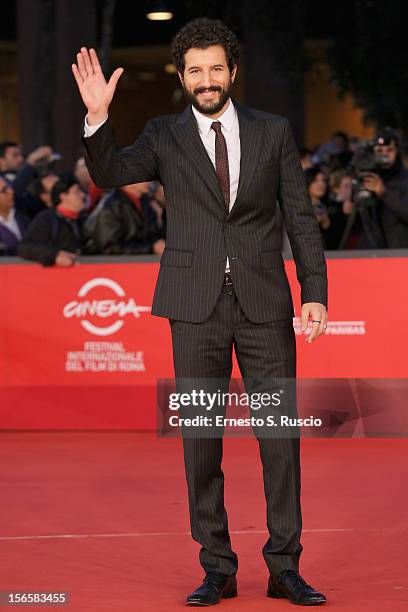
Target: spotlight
159	11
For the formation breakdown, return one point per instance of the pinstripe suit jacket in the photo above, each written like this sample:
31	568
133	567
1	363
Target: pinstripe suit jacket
200	231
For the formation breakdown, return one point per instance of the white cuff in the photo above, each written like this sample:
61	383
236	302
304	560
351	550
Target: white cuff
89	130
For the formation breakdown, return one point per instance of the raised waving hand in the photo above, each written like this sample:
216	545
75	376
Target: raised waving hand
96	93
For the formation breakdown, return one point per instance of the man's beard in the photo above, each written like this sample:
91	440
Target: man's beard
209	107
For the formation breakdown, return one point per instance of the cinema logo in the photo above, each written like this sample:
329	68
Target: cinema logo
338	328
119	306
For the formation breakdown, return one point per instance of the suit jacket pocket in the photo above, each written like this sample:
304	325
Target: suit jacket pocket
176	257
271	259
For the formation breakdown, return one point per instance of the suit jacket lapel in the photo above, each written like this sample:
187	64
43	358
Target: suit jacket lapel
251	137
186	133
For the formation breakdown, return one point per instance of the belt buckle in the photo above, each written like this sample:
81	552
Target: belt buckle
227	279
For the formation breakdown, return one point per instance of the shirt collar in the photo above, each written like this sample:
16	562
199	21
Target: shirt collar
10	217
227	119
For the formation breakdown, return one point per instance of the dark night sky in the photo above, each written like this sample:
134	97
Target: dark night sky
138	30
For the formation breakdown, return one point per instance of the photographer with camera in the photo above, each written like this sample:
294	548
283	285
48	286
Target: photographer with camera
390	185
380	194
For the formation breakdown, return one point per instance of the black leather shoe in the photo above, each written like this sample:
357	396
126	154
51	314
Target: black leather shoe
290	585
214	587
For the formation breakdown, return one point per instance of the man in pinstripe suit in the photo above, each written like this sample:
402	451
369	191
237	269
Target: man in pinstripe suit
222	282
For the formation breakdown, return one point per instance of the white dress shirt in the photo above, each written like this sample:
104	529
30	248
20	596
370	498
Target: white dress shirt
89	130
229	128
11	223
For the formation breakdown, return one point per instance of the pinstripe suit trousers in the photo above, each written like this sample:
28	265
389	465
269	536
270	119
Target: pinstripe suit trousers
263	350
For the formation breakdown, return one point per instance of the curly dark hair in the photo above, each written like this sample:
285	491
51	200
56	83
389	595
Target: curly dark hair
200	34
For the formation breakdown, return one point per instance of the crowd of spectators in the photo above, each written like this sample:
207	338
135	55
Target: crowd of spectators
359	192
52	218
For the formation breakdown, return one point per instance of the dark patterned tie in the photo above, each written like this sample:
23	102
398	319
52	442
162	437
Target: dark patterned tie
221	162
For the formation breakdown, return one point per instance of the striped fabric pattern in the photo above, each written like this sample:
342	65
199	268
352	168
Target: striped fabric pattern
208	321
202	356
200	230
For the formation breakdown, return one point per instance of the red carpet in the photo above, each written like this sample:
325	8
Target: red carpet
103	516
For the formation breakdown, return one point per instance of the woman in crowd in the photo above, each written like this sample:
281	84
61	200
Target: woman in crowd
317	188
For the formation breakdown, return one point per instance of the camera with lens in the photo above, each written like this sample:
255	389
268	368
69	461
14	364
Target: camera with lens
367	160
371	157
